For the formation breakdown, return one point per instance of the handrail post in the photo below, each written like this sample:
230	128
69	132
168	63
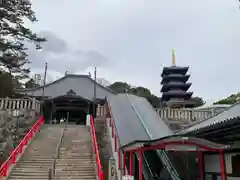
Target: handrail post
54	167
49	174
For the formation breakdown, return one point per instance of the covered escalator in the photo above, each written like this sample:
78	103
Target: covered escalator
136	120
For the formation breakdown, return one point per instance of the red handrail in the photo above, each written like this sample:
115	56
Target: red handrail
100	172
18	150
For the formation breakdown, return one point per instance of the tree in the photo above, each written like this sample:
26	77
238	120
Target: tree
6	89
156	102
122	87
31	84
13	33
7	84
198	101
233	98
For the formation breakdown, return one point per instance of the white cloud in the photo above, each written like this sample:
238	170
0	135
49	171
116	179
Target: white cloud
136	36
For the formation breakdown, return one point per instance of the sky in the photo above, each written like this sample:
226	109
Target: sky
131	41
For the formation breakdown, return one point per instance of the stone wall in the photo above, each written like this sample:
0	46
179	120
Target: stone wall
13	126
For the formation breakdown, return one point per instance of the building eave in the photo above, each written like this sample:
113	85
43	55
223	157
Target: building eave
175	68
23	91
183	86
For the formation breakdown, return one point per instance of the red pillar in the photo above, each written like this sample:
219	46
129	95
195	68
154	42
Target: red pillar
115	143
139	153
119	159
112	130
124	163
222	165
108	111
200	164
131	163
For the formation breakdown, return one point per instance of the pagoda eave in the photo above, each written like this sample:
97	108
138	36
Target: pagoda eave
173	77
170	95
174	70
180	103
182	86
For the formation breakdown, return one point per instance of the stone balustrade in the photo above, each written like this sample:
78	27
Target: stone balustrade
183	115
19	104
16	117
101	110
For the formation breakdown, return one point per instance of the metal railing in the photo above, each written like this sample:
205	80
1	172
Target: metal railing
53	170
145	163
50	174
18	150
100	172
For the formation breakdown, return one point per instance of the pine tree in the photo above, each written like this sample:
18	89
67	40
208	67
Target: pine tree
13	33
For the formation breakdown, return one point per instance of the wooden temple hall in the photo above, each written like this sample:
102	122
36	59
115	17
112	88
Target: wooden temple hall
71	97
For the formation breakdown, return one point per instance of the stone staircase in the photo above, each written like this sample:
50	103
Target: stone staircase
70	157
76	155
38	157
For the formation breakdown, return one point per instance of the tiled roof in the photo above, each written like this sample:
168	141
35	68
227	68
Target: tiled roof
221	117
82	85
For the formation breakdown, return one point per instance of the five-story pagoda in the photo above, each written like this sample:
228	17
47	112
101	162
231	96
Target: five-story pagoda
175	86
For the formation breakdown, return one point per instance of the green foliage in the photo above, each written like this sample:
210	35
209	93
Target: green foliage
122	87
31	84
197	101
7	84
6	89
13	33
233	98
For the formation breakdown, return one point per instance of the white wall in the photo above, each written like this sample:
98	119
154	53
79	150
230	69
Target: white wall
212	164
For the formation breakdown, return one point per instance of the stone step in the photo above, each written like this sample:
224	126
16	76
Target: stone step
30	169
75	178
28	177
73	168
21	173
75	159
33	165
77	166
44	160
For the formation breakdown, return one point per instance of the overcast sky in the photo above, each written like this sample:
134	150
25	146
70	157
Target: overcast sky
131	40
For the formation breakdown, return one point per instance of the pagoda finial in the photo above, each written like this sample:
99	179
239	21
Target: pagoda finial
173	58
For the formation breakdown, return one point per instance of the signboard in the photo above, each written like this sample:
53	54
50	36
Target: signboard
127	177
112	172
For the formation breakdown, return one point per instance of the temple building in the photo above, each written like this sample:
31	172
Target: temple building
71	97
175	86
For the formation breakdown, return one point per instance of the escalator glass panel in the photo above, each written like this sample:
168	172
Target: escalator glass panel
156	166
185	164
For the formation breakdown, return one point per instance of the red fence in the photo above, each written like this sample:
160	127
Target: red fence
18	150
100	172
